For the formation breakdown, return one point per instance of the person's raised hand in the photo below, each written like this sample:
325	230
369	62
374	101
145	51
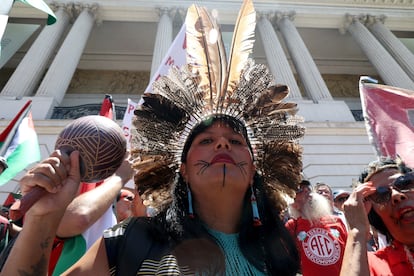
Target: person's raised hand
125	171
357	207
59	176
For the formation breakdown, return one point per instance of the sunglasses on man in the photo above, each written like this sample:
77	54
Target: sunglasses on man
302	189
403	184
341	199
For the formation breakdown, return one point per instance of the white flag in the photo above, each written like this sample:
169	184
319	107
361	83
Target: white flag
127	121
176	56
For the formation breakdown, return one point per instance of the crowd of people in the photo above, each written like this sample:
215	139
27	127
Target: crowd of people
214	160
383	201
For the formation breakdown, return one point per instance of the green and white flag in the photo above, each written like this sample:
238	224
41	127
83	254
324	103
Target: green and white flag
40	5
6	6
19	144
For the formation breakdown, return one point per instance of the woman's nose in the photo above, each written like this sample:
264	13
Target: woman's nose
397	196
222	142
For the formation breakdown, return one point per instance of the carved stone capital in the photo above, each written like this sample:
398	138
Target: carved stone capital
93	9
350	19
270	15
171	12
285	15
181	13
66	7
372	19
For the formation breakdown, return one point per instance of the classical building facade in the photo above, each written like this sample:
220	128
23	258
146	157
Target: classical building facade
319	48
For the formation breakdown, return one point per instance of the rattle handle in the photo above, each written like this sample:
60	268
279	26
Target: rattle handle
20	207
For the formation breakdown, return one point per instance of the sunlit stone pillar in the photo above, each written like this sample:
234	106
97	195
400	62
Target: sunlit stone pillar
30	70
386	66
309	74
163	39
60	73
275	56
394	46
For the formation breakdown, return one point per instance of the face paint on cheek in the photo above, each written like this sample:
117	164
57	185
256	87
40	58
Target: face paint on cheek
241	166
224	174
203	166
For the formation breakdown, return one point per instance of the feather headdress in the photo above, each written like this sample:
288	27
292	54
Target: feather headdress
212	85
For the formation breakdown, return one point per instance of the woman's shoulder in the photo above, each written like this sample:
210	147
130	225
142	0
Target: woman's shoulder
135	226
136	238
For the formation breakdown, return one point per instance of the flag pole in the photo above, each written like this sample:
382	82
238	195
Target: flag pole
363	81
10	130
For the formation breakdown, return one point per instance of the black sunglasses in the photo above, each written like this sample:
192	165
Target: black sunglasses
403	184
302	189
342	199
129	198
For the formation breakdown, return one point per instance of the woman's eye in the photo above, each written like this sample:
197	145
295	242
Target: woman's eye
235	142
206	141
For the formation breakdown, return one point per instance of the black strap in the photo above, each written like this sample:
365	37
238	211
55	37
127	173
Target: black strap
135	247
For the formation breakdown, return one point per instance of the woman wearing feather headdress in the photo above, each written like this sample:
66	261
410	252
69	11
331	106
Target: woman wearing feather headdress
215	152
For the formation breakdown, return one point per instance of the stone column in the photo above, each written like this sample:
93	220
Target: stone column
275	56
386	66
28	73
61	71
395	47
163	39
312	80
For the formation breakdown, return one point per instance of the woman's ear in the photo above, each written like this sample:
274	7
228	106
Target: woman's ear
183	171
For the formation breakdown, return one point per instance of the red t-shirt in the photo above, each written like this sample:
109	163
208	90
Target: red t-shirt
390	260
321	245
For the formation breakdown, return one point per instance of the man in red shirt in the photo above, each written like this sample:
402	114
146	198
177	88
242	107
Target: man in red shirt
320	236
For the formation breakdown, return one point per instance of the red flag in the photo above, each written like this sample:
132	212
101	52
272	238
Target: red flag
107	108
389	115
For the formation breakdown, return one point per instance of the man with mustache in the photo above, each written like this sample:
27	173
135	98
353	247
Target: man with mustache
320	236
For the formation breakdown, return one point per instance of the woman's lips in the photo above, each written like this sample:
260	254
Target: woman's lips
406	215
222	158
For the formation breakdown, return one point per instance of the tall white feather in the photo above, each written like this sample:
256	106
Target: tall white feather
206	53
241	46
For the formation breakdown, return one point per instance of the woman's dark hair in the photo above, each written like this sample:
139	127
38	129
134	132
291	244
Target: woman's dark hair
269	247
375	167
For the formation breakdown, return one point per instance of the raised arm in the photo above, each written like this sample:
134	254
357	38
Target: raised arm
59	175
88	207
355	261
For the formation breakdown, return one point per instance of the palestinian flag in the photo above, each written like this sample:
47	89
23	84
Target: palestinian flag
19	144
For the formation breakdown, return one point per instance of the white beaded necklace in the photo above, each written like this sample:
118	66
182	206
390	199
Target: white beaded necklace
409	256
